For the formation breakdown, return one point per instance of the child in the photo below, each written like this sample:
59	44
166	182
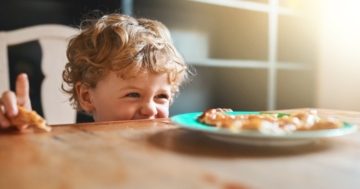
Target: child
119	68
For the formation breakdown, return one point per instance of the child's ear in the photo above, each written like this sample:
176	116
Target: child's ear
84	97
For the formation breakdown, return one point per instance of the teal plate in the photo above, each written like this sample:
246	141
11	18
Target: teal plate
189	121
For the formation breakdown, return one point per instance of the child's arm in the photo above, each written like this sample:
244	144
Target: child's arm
9	101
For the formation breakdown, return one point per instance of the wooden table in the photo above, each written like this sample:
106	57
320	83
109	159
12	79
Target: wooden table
158	154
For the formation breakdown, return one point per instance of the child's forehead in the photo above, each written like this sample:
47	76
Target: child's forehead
142	76
145	80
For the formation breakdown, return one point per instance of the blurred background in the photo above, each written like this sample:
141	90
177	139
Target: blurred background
249	54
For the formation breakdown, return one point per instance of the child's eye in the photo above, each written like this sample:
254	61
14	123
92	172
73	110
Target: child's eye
134	95
162	96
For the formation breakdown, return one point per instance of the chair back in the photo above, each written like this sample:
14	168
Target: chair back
53	41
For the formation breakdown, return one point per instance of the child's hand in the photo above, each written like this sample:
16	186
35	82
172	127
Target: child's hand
9	101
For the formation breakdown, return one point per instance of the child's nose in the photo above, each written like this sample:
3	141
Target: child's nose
149	110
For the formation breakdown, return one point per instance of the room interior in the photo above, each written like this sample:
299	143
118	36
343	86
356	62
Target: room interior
248	55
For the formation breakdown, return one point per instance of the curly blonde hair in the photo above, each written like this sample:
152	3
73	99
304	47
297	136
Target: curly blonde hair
126	45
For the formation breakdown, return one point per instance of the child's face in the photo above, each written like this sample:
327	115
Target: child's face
144	97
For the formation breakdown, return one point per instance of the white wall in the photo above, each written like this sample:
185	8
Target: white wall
338	80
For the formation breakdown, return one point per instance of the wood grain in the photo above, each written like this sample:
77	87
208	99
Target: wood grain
159	154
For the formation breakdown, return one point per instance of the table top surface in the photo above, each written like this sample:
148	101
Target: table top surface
159	154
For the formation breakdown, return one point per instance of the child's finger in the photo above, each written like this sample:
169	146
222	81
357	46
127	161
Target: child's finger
4	122
22	127
22	90
8	100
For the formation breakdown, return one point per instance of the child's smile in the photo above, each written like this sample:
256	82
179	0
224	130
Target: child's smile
144	97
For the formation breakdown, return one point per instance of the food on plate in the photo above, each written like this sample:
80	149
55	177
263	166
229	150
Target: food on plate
300	121
31	118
